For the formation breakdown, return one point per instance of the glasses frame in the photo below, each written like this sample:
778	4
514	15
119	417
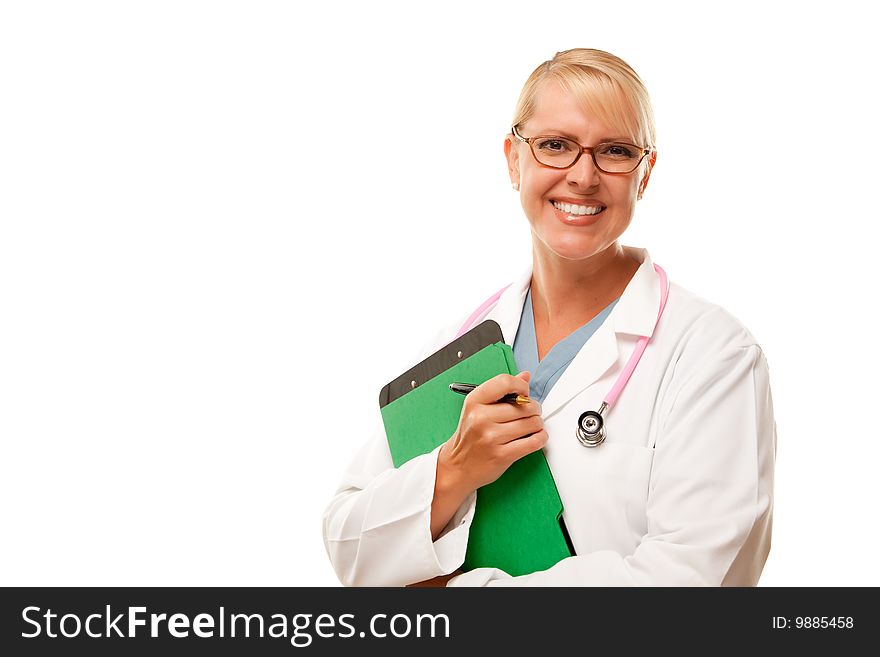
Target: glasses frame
583	149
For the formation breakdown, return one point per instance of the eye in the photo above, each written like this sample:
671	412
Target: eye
618	151
553	145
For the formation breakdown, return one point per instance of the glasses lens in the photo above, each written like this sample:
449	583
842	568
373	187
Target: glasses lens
617	158
555	151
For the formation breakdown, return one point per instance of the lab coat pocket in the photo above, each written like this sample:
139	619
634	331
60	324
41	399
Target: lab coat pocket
605	502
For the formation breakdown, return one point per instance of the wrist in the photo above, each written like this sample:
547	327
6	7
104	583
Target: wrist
450	482
450	492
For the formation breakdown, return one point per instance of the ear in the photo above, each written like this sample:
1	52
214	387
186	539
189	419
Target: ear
644	182
512	155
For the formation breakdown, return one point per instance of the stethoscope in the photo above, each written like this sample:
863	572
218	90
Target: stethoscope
591	424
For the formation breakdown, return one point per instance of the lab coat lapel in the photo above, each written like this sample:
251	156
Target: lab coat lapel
634	314
597	355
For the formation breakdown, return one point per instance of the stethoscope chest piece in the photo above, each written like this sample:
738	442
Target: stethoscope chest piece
591	427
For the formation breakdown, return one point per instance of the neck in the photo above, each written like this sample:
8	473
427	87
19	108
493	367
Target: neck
569	293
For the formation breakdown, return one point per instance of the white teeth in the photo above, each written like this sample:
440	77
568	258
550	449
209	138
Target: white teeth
578	209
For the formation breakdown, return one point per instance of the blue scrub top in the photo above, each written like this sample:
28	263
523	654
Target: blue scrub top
546	373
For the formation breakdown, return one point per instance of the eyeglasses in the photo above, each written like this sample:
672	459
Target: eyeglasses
561	153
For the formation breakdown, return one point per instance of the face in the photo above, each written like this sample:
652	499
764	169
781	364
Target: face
574	233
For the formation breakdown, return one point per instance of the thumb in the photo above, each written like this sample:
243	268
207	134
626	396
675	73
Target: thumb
525	376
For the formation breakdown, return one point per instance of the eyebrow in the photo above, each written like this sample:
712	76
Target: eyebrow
564	133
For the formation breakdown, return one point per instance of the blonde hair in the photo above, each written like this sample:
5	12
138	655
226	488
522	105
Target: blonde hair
607	87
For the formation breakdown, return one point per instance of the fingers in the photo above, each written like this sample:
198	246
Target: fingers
498	386
515	412
505	412
516	449
523	427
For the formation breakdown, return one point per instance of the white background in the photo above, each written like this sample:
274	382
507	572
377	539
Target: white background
225	225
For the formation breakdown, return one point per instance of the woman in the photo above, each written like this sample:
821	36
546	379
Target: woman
680	491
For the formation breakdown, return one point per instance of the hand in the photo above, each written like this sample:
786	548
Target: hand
435	582
490	436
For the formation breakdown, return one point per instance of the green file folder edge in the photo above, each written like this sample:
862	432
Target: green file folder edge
517	525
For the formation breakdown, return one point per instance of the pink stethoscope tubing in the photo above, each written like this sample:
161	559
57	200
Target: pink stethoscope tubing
591	424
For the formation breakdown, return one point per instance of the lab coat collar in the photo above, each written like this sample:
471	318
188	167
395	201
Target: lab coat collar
634	314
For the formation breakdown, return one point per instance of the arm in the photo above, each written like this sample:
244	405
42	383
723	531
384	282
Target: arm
385	525
710	497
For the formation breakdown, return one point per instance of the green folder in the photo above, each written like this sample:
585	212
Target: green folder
517	525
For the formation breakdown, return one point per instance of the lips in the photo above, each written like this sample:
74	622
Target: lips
572	214
579	209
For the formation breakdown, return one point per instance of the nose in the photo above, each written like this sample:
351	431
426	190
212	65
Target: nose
584	172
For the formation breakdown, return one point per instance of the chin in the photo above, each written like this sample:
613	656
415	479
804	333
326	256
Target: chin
573	249
575	256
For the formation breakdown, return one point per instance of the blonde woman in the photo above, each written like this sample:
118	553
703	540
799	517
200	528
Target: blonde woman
677	488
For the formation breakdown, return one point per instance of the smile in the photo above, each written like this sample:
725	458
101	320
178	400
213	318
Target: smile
568	208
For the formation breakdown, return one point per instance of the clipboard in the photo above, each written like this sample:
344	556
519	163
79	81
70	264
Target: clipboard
517	525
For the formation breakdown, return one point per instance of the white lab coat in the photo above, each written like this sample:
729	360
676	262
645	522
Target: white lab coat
680	493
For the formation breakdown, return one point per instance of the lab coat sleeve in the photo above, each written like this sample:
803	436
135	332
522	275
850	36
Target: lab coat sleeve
377	527
710	494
